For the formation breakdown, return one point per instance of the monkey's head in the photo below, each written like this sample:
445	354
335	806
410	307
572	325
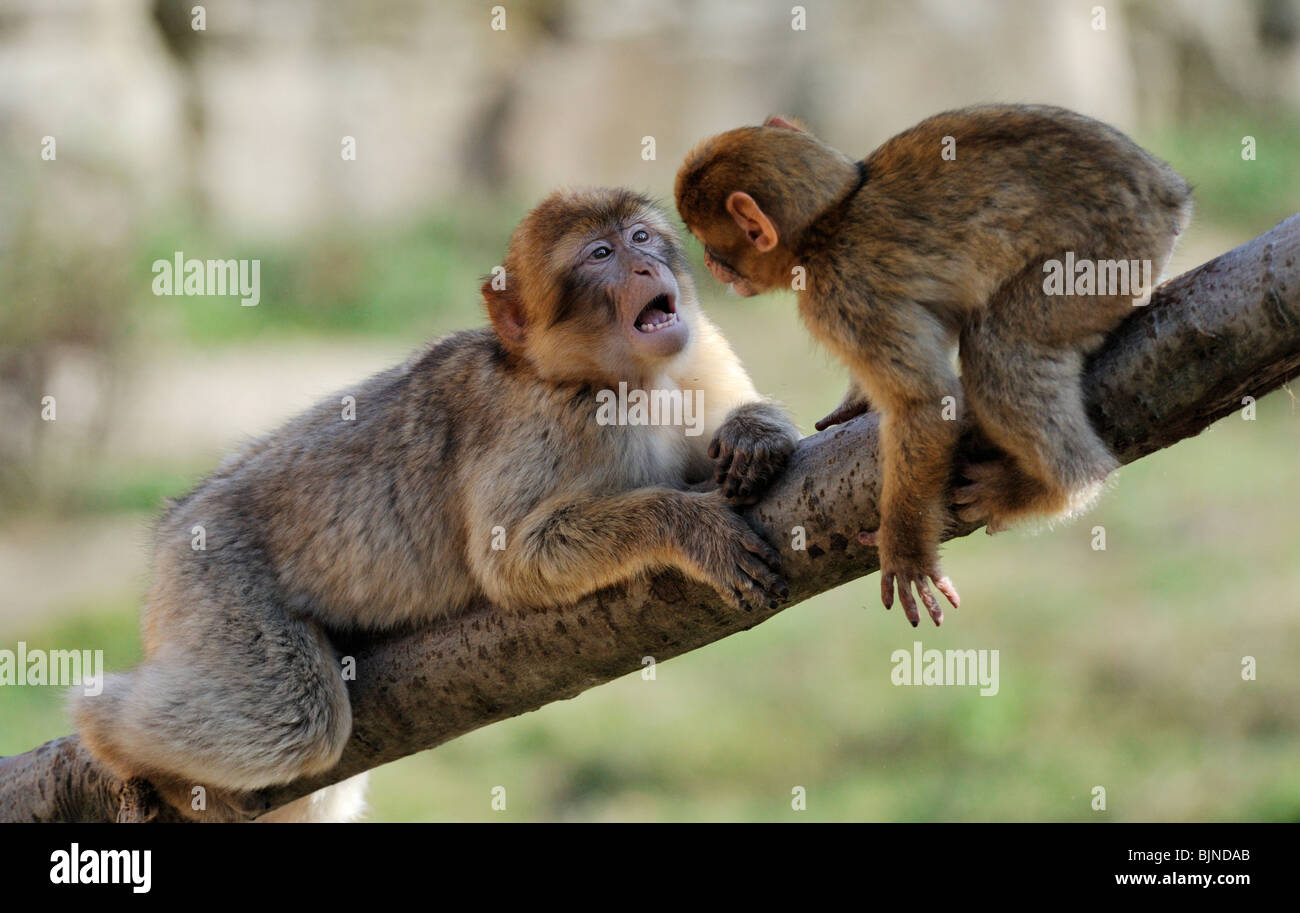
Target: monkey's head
749	194
595	288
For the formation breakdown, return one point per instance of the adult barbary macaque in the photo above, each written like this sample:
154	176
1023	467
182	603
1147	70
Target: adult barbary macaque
477	469
941	240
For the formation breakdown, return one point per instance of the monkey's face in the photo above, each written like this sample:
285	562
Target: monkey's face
601	291
733	260
627	267
722	268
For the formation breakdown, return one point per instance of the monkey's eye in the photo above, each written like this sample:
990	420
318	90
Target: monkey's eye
640	236
601	252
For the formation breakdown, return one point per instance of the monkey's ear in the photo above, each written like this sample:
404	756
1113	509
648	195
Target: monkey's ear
506	313
753	221
785	123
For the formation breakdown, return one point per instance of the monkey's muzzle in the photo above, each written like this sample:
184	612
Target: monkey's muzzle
659	314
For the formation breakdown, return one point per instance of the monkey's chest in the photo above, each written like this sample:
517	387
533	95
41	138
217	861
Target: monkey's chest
651	454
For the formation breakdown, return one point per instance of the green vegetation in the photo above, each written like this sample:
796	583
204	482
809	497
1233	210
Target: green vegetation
412	280
1241	194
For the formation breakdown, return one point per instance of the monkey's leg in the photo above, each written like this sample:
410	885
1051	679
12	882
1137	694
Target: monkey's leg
917	444
901	354
244	696
1028	400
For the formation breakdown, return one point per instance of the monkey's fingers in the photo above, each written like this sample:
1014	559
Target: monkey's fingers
908	601
931	604
972	502
735	477
758	546
770	589
715	446
944	585
723	464
762	562
871	538
735	597
756	474
749	582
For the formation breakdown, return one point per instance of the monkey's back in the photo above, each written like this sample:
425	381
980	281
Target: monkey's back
359	521
962	201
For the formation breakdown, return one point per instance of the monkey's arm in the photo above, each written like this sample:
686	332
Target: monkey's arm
903	361
576	544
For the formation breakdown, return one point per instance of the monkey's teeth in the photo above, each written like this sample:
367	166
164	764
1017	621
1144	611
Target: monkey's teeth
652	327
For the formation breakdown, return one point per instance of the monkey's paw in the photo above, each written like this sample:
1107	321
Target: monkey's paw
907	573
749	454
727	554
991	497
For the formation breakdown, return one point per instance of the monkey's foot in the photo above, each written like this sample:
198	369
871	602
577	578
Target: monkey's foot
845	411
908	574
995	495
200	803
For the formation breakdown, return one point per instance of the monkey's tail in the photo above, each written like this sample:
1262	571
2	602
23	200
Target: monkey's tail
168	718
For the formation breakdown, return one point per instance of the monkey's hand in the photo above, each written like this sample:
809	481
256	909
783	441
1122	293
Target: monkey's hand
722	550
910	565
855	403
751	450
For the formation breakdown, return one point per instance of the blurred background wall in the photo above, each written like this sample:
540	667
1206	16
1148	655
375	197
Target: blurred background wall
226	142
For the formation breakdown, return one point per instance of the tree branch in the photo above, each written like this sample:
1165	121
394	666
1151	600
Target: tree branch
1226	330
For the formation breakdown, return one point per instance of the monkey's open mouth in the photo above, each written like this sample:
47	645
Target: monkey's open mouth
659	313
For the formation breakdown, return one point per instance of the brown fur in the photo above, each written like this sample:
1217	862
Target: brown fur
909	256
328	526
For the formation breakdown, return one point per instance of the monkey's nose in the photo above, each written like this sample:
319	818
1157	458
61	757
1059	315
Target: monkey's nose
642	270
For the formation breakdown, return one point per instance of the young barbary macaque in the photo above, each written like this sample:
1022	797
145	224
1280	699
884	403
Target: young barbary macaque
480	468
947	238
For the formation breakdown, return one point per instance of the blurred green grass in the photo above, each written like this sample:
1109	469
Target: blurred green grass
1251	195
392	280
1119	668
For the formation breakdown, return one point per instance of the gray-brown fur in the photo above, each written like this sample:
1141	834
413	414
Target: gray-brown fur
910	256
329	526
